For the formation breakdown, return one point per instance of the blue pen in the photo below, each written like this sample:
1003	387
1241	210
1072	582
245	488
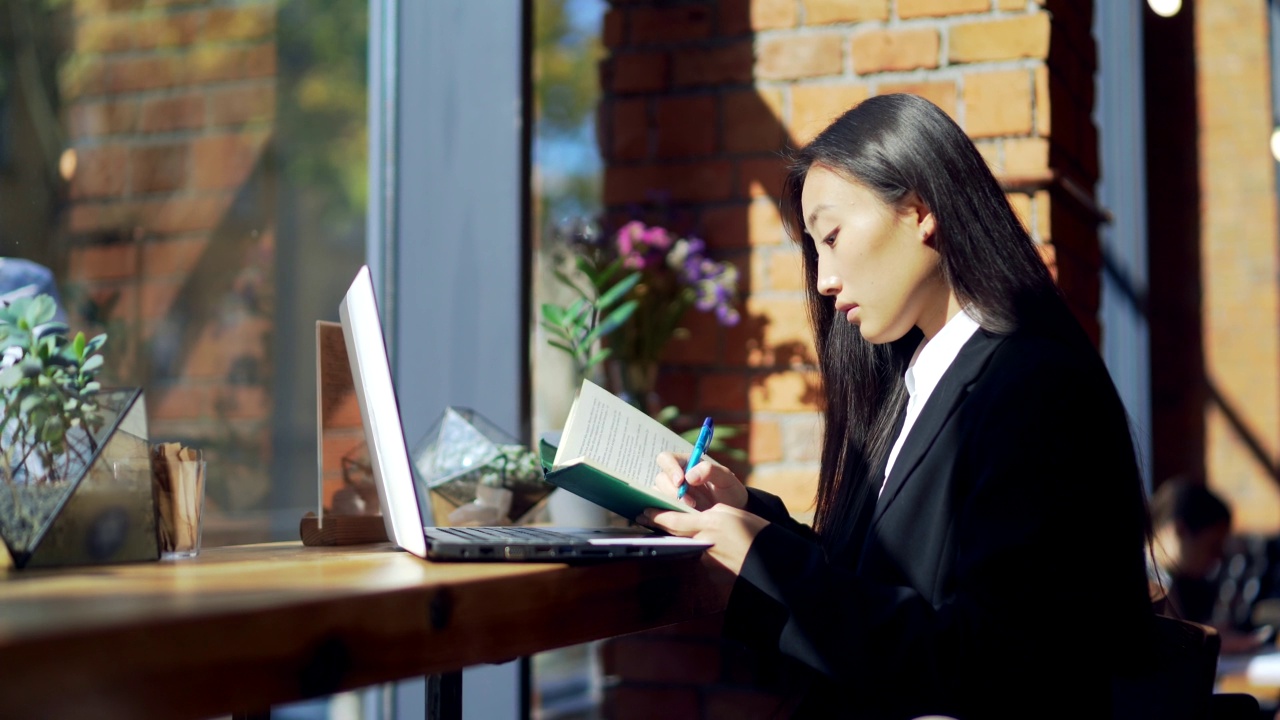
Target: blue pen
699	447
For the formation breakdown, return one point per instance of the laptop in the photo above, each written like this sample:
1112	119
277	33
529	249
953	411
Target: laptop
401	497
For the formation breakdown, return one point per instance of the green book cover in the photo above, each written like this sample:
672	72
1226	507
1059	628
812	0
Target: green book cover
607	491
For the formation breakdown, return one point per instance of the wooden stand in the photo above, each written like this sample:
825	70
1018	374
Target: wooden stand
342	530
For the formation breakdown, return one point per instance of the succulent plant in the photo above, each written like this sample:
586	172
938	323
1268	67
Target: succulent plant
48	413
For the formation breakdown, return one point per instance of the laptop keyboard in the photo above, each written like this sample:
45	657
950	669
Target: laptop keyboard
491	535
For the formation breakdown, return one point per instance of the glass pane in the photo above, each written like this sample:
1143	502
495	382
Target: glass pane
567	175
192	174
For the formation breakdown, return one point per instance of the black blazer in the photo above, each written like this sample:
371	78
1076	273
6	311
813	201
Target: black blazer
1003	572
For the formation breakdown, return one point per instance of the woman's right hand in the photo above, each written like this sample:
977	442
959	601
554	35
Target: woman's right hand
710	483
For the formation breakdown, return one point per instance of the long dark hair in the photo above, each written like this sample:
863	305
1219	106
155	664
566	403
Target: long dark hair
896	145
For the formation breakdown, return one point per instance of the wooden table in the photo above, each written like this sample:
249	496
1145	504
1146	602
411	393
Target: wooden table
243	628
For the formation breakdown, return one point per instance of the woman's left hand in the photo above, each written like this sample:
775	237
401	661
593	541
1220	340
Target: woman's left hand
729	530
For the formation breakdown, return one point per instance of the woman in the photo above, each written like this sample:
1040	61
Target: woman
978	544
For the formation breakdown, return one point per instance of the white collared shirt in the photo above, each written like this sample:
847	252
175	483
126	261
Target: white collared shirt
931	360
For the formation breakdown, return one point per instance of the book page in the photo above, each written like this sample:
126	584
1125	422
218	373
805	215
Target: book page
616	437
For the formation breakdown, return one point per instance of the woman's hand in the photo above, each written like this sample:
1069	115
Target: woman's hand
710	483
729	530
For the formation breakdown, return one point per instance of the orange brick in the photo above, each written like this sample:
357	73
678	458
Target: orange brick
725	227
117	261
245	22
165	31
720	391
882	50
792	57
1044	121
764	223
638	72
100	171
942	93
787	391
218	63
158	168
759	177
1026	156
714	66
784	336
630	124
225	161
784	271
738	17
239	105
84	218
823	12
179	215
814	107
184	401
753	121
700	181
997	103
172	257
94	119
1011	39
631	184
143	73
765	441
1021	204
686	126
179	112
214	63
104	34
259	61
797	487
938	8
990	152
651	25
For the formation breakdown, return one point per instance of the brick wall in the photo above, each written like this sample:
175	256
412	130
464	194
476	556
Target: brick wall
169	109
1240	271
700	97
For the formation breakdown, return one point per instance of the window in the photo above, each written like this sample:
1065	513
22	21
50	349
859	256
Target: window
194	175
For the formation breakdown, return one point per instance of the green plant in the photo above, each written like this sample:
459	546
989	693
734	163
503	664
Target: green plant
595	313
48	413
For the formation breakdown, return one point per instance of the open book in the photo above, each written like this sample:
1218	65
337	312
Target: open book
608	454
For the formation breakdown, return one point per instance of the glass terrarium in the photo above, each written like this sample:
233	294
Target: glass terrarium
87	500
464	458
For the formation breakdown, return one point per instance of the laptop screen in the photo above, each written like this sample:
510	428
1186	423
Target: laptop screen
380	415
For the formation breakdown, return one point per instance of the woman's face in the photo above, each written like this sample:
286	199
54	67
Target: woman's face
876	260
